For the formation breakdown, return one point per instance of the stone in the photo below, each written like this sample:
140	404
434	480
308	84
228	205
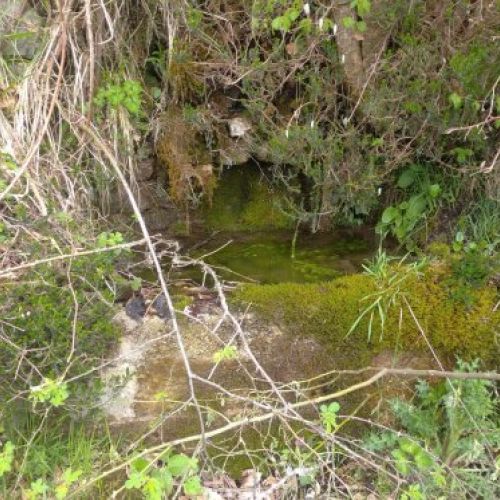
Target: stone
149	195
161	307
136	307
18	19
233	152
144	169
159	219
238	127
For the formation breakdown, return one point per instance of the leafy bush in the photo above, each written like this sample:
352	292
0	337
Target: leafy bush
451	430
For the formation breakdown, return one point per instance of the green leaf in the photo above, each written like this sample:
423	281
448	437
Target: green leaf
402	463
389	214
416	207
6	458
135	481
281	23
407	178
292	14
455	100
152	489
306	25
423	460
193	487
139	464
361	26
181	464
37	488
136	284
165	478
226	353
348	22
362	7
434	190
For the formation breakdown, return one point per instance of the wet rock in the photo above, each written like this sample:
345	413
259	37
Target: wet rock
136	307
238	127
160	307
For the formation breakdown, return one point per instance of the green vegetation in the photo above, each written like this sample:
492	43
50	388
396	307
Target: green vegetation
329	310
450	431
351	113
246	201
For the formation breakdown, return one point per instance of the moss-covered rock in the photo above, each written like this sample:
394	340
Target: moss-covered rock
328	310
244	200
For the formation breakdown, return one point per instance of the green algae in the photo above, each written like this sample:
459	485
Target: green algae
245	200
266	257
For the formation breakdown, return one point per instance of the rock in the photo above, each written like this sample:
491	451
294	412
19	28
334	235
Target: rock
233	152
18	19
144	169
161	307
149	195
136	307
238	127
159	219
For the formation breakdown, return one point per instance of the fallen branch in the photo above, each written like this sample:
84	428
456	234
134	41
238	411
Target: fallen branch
35	263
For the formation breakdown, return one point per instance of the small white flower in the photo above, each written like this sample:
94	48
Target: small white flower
307	9
321	22
345	121
286	133
342	59
379	191
335	28
312	123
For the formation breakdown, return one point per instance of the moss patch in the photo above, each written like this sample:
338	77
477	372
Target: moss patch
327	311
245	201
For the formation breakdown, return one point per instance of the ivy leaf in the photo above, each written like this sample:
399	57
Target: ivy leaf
165	479
37	488
152	489
281	23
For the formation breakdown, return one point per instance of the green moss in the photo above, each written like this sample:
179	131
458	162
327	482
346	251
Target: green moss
327	310
245	201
